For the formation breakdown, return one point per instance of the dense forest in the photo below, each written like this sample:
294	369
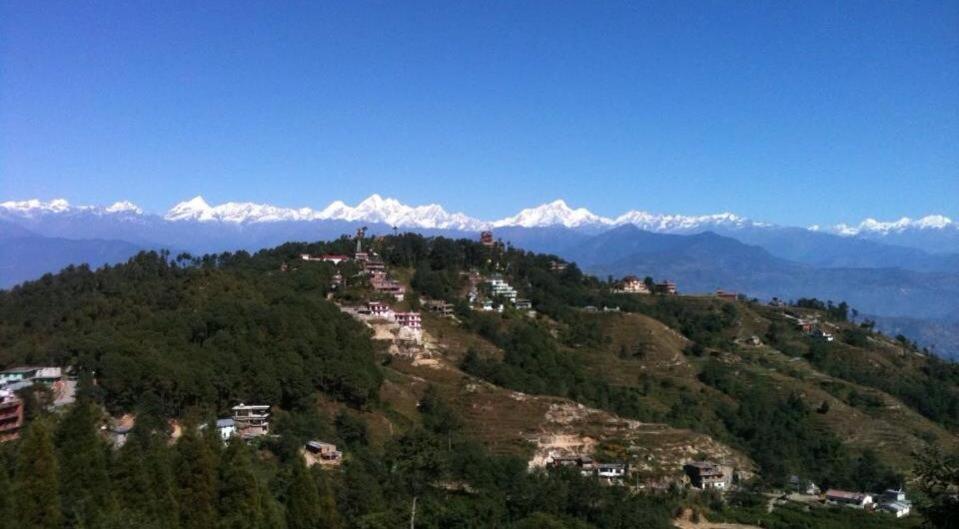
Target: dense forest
185	338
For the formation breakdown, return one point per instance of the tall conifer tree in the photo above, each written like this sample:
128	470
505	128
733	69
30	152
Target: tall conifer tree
84	475
239	500
302	499
37	486
195	476
6	498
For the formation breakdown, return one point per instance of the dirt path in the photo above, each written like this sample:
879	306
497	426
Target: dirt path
685	522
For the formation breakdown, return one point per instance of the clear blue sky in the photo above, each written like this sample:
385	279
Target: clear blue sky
791	112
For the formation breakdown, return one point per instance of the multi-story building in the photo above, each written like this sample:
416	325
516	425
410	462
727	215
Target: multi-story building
666	287
251	420
633	285
708	475
500	287
11	415
413	320
378	309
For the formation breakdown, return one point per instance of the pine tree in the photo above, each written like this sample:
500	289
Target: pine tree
6	498
130	478
329	517
163	505
239	500
303	509
37	487
84	478
271	511
195	476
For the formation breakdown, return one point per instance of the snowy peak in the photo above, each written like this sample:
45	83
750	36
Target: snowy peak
36	206
559	213
194	209
124	206
552	214
391	211
374	209
872	226
682	223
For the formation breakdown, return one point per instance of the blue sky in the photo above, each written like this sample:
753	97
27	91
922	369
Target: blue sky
796	113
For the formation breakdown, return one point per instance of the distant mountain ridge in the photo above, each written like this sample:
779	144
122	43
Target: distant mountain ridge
701	252
932	233
377	209
707	261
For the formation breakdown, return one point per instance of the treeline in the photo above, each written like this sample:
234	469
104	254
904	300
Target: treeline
63	475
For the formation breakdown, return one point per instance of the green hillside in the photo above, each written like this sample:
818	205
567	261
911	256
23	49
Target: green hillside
464	421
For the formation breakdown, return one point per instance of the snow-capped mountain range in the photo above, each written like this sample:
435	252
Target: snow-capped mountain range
376	209
929	222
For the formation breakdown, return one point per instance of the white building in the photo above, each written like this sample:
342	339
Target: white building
500	287
226	428
897	508
611	471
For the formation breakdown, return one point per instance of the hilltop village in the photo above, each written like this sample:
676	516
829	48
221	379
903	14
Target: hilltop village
732	408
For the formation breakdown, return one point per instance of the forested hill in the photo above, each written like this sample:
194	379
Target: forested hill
207	332
649	380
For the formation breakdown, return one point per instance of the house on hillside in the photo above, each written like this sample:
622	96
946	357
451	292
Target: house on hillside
585	464
319	452
326	258
890	495
728	296
803	486
226	428
31	373
611	472
486	238
632	285
665	287
499	287
897	508
859	500
706	475
894	501
413	320
251	420
380	310
11	415
821	335
440	307
806	325
118	434
382	285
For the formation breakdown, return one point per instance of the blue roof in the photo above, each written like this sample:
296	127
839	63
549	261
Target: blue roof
224	423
